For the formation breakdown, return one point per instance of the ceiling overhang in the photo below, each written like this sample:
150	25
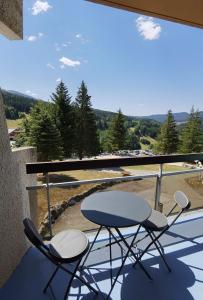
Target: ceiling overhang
11	19
188	12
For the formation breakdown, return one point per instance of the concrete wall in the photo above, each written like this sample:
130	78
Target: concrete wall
14	201
29	199
11	18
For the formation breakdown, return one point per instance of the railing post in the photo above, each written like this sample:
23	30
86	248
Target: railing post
48	203
157	205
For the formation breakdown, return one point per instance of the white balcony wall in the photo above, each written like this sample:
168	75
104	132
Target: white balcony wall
14	200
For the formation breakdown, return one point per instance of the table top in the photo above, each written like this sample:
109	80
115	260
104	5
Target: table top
115	209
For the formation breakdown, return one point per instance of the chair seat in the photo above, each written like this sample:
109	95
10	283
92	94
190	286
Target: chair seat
156	222
69	245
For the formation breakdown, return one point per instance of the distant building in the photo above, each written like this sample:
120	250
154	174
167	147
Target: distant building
13	132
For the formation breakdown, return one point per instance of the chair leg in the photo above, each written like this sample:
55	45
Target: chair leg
71	280
87	284
160	245
161	254
74	275
50	280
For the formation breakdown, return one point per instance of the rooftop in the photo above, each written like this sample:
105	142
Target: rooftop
183	246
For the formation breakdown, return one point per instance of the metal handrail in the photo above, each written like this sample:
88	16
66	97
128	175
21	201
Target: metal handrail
46	167
104	163
159	176
90	181
109	179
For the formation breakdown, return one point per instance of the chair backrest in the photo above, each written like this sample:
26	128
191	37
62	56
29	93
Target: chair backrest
182	200
32	233
35	238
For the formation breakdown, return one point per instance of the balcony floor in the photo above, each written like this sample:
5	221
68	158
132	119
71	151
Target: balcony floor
184	248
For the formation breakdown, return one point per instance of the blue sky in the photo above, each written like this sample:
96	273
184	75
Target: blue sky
139	64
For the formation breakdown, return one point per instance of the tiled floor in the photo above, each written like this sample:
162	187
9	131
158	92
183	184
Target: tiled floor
184	252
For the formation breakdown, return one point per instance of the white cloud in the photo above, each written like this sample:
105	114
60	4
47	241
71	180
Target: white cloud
63	45
66	62
148	28
80	37
31	93
58	80
34	38
34	95
40	7
50	66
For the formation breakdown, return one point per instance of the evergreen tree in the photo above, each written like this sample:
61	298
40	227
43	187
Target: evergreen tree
132	141
43	134
87	140
168	137
63	114
23	137
116	139
192	134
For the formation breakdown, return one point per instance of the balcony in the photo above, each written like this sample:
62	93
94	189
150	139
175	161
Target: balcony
182	244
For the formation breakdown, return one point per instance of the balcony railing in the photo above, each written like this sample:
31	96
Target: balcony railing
47	167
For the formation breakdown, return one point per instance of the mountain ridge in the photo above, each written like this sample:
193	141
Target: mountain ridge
180	117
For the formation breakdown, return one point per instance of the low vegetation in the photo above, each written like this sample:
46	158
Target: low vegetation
58	195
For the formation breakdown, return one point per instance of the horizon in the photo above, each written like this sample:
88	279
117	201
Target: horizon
111	111
156	65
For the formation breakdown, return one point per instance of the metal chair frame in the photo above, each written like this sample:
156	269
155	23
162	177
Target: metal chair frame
155	238
48	250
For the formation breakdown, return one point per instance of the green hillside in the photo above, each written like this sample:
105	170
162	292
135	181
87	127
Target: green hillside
16	104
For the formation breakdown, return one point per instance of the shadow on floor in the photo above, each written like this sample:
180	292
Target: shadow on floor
184	282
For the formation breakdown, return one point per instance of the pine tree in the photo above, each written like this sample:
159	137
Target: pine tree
23	137
192	134
43	134
87	140
116	139
132	141
63	114
168	138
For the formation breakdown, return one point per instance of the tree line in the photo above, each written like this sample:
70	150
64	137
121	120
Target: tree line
185	139
62	128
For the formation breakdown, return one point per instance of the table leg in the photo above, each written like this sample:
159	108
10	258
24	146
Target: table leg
100	228
150	244
110	257
117	241
133	254
123	262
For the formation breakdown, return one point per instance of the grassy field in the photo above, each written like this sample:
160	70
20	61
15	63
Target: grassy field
58	195
151	140
13	123
73	218
166	168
